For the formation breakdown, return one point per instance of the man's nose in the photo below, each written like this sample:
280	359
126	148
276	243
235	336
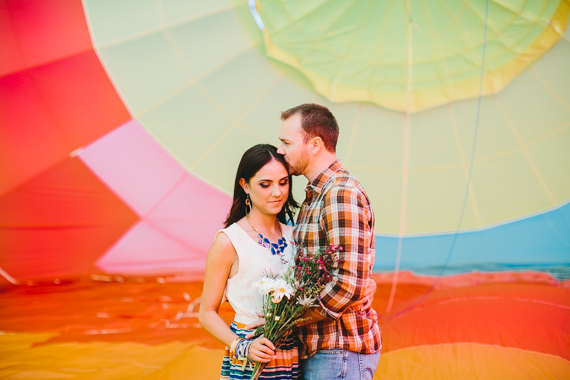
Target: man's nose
280	150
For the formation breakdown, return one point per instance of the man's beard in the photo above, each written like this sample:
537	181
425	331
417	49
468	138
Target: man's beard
301	165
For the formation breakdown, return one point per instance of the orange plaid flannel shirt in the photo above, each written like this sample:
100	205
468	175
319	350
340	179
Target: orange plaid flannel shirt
337	211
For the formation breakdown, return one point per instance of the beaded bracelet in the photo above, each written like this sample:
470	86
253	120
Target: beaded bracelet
247	350
242	353
234	345
242	348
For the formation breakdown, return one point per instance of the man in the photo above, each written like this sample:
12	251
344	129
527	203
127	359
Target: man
340	341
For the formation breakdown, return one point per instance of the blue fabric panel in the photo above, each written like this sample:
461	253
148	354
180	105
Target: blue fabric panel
536	242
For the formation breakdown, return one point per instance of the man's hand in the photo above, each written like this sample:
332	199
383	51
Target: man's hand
365	302
255	325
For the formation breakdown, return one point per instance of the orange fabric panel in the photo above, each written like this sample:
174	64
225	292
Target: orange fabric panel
529	316
36	32
59	223
116	309
49	111
120	310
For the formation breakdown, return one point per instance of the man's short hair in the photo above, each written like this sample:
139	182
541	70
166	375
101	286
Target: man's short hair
316	120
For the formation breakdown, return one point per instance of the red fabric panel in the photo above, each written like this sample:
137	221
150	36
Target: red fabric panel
59	223
80	97
36	32
49	111
9	49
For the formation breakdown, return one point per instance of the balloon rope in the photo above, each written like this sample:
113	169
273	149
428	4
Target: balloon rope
255	14
8	277
444	267
405	171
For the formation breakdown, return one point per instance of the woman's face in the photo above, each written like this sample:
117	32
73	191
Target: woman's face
268	188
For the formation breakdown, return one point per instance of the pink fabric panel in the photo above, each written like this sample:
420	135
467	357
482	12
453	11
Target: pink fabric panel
133	165
146	249
180	214
193	212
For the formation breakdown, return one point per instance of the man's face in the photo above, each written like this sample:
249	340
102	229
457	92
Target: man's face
296	152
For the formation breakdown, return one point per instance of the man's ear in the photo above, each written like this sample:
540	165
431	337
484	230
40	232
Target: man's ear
243	185
316	144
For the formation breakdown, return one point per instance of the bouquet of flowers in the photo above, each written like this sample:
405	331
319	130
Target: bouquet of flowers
286	297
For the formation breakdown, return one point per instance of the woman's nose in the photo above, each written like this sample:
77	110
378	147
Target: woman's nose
275	191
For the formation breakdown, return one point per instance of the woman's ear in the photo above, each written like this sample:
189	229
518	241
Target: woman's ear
243	185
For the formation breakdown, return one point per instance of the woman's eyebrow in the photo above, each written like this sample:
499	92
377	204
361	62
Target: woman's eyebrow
269	180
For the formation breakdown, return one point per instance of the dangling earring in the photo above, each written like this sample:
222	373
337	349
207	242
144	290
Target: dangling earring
247	203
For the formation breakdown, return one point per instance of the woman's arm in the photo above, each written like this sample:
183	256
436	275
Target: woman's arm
222	263
221	258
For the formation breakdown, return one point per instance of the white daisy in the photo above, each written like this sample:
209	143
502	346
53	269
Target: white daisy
266	285
282	288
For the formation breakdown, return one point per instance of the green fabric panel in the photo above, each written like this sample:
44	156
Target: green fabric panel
196	76
505	184
552	159
359	51
182	11
213	33
187	125
240	84
430	204
146	70
220	165
116	20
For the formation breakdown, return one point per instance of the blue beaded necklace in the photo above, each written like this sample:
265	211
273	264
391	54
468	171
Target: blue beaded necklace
276	249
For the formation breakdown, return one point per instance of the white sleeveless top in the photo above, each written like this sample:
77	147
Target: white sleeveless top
254	260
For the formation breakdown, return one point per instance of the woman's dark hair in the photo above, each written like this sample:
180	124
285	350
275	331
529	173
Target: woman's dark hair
251	162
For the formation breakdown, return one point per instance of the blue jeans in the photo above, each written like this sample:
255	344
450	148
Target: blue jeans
339	364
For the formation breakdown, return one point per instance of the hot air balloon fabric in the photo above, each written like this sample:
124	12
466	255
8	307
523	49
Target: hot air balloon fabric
122	123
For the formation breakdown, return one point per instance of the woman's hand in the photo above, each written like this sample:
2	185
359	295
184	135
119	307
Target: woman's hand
261	350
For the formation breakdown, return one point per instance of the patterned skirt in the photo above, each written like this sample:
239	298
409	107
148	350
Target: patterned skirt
284	367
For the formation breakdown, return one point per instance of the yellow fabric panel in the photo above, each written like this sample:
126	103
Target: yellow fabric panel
468	361
102	360
176	360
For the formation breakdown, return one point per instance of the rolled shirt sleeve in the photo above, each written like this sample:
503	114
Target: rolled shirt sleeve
347	222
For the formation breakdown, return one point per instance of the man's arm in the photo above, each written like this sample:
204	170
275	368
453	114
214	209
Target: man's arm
347	220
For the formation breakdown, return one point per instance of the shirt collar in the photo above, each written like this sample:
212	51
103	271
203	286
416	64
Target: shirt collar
319	182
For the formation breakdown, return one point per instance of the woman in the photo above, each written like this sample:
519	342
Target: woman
240	254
